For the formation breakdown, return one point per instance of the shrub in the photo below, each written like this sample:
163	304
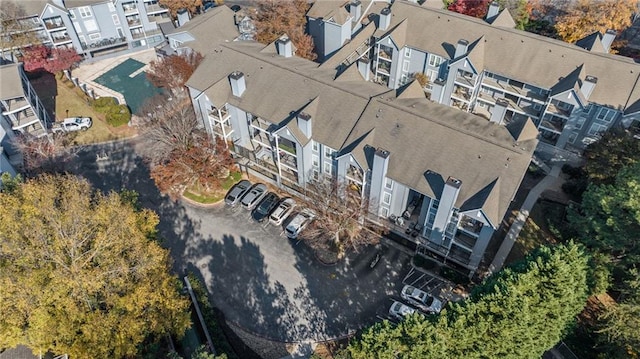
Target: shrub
423	262
454	276
103	104
118	115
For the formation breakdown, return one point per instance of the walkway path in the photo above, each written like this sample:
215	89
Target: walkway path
505	248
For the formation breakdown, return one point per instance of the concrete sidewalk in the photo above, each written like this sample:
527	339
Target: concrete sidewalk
550	181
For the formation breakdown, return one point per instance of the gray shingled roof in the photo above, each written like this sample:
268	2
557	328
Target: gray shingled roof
277	87
520	55
209	29
423	136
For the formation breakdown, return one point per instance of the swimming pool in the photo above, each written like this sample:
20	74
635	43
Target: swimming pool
130	82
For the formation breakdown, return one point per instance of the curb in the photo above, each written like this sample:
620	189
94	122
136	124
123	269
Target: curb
201	205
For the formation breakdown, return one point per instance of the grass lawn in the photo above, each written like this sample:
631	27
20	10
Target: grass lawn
536	230
70	103
196	194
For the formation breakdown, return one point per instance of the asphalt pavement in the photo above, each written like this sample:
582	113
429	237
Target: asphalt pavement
263	282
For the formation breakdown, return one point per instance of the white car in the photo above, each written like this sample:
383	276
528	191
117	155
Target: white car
299	223
399	310
72	124
282	211
421	299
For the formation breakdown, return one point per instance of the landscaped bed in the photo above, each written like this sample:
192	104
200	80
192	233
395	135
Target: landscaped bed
198	195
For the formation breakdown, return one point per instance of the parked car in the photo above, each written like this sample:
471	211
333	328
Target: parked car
255	194
299	223
400	310
284	209
72	124
236	192
265	207
421	299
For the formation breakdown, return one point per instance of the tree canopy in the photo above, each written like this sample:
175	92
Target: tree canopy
53	60
475	8
172	72
81	273
519	312
175	5
608	220
585	17
275	18
607	156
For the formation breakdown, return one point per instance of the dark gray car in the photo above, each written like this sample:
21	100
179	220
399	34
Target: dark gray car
265	207
236	192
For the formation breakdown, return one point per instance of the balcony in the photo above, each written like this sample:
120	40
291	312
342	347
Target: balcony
104	44
466	80
54	23
130	8
552	123
15	105
384	67
223	130
465	240
506	87
261	138
470	225
462	93
219	115
288	160
459	104
134	21
355	174
60	38
385	53
154	9
560	111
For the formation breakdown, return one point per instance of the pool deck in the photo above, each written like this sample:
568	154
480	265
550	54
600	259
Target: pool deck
88	72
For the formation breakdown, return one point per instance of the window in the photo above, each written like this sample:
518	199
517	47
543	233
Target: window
85	11
404	79
95	36
388	183
116	19
314	146
386	198
72	14
77	27
580	123
82	39
572	137
328	151
597	128
384	212
407	52
112	8
606	114
120	33
327	168
405	65
434	60
537	106
315	161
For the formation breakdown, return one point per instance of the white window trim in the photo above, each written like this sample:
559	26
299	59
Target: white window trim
435	60
596	128
112	7
388	183
116	19
95	36
327	168
405	66
572	137
386	198
407	52
72	15
328	151
384	212
85	11
314	146
580	122
315	161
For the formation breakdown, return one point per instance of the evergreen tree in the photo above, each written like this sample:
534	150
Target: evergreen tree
520	312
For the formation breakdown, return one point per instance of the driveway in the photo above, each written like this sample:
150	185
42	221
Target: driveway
262	281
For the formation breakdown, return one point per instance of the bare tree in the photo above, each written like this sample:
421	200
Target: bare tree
46	154
341	210
17	30
167	124
172	72
181	154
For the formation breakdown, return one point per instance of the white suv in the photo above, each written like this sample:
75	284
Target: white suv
299	223
72	124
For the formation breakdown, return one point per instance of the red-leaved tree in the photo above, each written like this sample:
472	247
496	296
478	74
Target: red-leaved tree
203	165
475	8
172	72
43	58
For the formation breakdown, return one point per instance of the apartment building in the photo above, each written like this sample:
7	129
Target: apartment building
572	92
445	177
22	114
96	27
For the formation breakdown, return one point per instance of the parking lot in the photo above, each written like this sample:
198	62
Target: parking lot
263	282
